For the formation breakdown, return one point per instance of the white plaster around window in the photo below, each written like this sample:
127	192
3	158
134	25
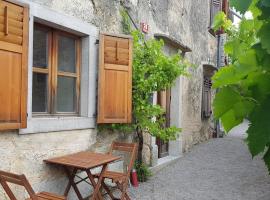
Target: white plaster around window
89	34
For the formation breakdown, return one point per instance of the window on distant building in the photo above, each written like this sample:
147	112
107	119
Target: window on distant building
215	7
207	91
56	72
206	97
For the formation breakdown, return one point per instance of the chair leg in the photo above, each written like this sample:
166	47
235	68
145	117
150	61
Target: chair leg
123	189
103	184
127	197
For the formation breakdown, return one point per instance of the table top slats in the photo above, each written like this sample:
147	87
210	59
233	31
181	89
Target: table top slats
83	160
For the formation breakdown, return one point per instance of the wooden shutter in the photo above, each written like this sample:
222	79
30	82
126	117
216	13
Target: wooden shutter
225	7
13	65
164	100
206	102
115	79
215	8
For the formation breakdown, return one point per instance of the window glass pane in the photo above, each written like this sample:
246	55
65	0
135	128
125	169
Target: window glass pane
66	54
66	94
40	48
40	92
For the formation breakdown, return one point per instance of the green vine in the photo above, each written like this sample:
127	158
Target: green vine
152	71
126	27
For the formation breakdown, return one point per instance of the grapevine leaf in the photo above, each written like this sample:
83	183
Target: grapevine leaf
266	62
233	48
265	3
259	51
254	9
225	76
259	84
219	20
229	120
265	12
235	73
244	85
236	115
224	101
241	6
248	60
264	36
232	109
243	108
259	129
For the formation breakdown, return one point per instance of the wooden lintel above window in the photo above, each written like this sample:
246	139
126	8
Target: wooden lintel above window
172	41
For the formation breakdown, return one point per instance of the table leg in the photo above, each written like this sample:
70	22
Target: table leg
71	176
96	193
94	184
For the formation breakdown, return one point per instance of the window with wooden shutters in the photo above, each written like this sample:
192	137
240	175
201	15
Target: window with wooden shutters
115	79
215	7
13	65
206	98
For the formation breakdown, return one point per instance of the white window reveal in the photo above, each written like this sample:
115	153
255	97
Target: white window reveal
62	72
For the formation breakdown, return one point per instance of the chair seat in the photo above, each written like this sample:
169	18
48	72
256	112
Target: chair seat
48	196
114	176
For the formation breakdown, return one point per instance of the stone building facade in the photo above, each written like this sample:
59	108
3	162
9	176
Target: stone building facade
181	23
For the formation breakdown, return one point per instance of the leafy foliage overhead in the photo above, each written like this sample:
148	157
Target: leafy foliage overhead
244	85
241	6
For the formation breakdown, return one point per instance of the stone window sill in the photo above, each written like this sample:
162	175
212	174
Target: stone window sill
53	124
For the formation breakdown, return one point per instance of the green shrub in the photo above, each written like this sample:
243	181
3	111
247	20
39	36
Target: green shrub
143	171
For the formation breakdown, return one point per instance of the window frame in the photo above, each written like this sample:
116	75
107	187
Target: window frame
89	66
208	70
212	16
53	72
207	97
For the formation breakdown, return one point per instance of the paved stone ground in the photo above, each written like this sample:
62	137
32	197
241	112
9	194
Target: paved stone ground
220	169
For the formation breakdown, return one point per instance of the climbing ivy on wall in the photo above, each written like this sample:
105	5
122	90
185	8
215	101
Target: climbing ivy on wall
152	71
244	85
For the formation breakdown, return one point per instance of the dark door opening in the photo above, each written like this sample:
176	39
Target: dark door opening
164	100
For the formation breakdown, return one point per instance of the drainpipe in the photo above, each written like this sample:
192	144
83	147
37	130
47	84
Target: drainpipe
219	133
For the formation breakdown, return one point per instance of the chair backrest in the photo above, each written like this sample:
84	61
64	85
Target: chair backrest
7	177
130	148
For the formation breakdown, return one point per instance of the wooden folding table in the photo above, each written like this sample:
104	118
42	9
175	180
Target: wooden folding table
84	161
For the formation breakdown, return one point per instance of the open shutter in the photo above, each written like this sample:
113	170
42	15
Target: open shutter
206	105
115	79
215	8
225	7
13	65
164	101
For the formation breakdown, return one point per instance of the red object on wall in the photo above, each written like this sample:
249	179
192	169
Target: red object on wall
134	178
144	27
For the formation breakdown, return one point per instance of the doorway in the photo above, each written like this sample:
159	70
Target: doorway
164	100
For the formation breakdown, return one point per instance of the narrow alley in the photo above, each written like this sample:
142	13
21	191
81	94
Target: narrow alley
220	169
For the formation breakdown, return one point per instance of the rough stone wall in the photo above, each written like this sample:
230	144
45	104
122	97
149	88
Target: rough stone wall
187	21
25	154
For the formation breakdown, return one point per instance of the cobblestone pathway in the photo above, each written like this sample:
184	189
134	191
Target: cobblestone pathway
220	169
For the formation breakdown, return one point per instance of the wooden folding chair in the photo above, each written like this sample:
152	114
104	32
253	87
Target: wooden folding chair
6	177
121	179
